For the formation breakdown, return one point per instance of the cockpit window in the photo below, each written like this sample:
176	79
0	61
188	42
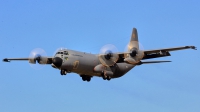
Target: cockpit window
66	53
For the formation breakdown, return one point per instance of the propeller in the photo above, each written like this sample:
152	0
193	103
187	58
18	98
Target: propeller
37	58
107	55
134	52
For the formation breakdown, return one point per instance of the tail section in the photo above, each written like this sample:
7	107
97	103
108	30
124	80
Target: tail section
134	40
134	53
134	36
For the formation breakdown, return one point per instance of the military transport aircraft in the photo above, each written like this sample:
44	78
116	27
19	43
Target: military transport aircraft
107	64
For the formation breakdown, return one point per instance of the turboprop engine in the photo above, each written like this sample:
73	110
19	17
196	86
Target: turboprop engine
38	55
134	57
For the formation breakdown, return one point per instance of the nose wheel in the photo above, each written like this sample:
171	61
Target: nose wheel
63	72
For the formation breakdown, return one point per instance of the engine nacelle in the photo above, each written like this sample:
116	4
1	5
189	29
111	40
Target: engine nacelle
32	60
39	59
130	60
134	57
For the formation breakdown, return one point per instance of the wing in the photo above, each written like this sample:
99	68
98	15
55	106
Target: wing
31	60
148	54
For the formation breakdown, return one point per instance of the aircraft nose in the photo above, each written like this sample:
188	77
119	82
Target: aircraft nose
57	62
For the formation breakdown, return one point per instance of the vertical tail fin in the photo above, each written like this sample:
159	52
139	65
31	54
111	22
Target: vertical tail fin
134	39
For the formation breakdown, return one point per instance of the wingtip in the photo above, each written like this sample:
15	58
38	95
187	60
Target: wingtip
5	60
192	47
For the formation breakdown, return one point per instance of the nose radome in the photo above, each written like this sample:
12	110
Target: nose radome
57	62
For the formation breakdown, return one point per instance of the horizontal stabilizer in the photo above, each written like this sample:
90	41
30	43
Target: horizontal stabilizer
151	62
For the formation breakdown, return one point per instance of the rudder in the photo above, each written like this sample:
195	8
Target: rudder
134	39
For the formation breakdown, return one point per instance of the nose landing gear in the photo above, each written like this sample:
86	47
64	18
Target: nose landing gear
63	72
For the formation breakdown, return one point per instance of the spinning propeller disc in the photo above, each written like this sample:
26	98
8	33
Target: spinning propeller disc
134	50
107	55
37	58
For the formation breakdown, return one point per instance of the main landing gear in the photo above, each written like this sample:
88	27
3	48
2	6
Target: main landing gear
105	77
86	78
63	72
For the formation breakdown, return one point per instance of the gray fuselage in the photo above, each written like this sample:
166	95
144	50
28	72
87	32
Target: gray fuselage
84	63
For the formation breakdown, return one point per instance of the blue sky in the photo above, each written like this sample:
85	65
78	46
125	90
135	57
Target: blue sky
87	26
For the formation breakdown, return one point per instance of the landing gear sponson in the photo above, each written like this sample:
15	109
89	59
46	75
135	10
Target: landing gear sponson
86	77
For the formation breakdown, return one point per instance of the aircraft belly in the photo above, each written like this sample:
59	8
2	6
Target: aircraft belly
122	68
